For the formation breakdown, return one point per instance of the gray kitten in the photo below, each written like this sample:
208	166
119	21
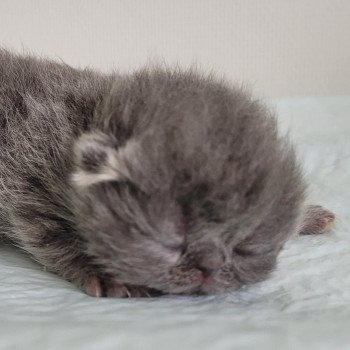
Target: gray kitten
160	181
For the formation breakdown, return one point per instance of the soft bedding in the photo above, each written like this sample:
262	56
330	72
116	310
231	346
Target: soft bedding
304	305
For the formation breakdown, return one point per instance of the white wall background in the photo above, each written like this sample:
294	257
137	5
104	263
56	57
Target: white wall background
279	47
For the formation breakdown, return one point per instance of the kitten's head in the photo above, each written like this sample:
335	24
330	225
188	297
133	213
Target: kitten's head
186	188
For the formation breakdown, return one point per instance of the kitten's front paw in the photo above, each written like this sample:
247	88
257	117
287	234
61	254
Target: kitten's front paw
317	220
97	287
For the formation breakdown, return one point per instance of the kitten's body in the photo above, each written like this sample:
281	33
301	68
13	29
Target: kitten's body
161	179
44	106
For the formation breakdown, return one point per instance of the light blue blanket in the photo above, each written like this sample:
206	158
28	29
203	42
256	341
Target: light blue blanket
305	305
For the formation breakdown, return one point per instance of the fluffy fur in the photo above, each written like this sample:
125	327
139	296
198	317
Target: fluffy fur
162	180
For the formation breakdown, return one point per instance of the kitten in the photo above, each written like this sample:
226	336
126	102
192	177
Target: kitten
159	181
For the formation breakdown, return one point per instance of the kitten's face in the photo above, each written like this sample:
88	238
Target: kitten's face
193	193
150	222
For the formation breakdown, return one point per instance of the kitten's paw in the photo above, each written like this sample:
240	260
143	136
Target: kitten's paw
97	287
317	220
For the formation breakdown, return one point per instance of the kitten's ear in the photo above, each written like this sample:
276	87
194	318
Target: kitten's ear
98	159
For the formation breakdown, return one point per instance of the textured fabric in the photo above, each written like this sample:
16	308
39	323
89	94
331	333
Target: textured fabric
304	305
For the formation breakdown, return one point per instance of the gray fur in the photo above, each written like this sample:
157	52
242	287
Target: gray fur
163	179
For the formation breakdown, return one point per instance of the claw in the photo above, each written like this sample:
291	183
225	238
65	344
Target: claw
117	291
97	288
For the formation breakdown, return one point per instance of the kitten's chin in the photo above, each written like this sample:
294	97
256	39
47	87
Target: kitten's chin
211	286
185	289
203	286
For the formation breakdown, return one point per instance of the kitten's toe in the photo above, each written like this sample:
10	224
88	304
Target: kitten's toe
116	290
317	220
99	287
94	287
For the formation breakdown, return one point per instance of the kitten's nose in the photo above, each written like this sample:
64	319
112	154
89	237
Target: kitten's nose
209	258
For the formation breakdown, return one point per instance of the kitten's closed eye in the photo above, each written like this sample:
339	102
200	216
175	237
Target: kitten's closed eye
243	251
248	250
